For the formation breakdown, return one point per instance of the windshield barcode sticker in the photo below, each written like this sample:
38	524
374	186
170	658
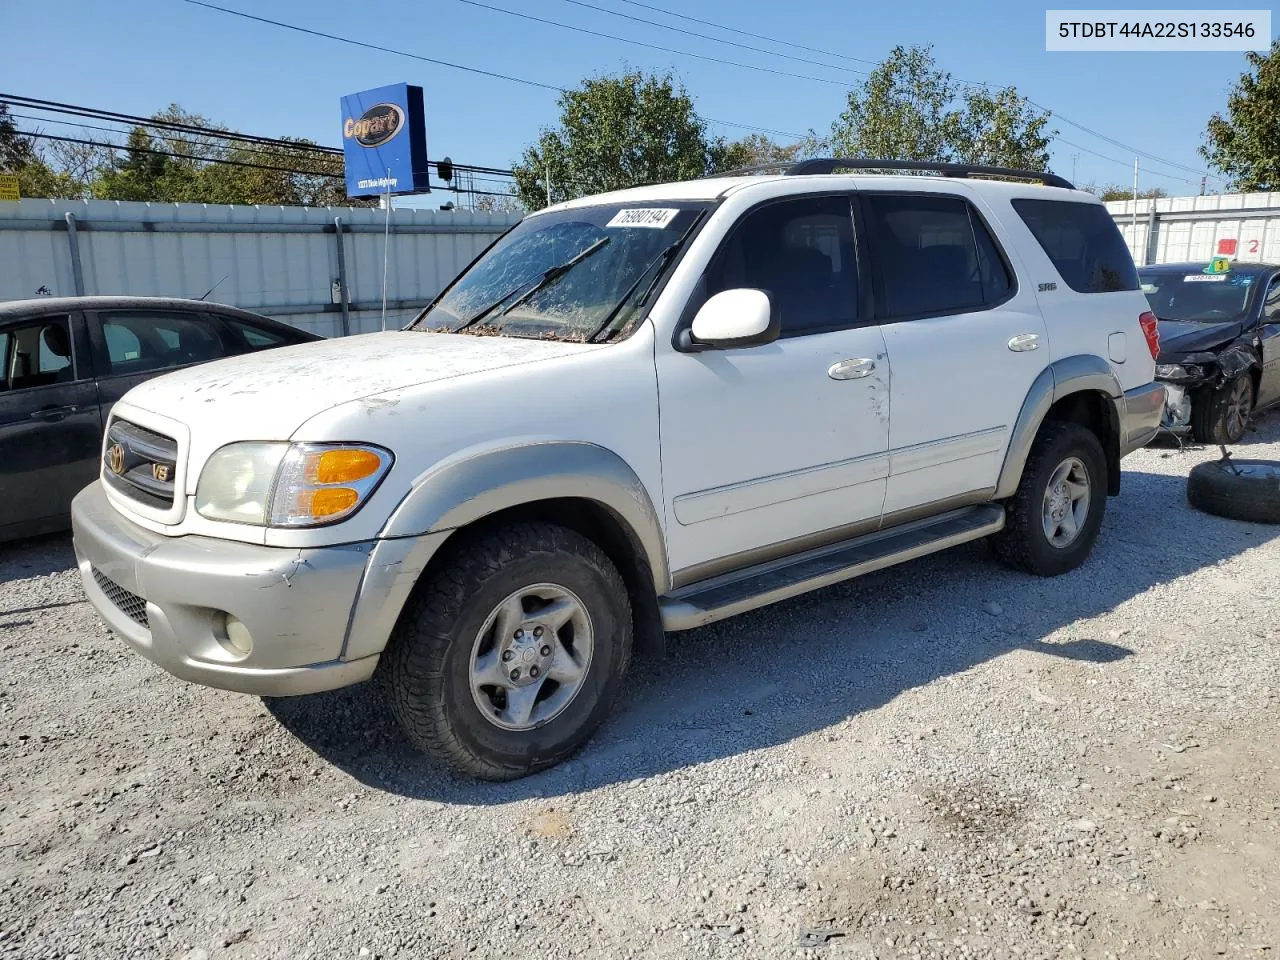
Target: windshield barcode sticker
643	217
1204	278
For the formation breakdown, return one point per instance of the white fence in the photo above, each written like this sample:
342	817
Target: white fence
317	268
1174	229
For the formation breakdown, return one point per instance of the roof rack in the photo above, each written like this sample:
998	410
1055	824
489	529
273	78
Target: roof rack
962	170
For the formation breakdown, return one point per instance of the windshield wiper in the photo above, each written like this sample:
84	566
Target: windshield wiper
660	261
547	278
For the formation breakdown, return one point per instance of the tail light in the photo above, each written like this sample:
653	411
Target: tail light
1151	330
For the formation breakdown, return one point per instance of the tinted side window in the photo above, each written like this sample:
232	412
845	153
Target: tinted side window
255	337
801	253
140	340
933	256
1271	306
1083	242
37	354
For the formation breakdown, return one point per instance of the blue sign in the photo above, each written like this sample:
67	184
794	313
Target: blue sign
384	140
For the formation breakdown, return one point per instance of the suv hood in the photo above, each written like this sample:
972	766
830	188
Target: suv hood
268	395
1178	337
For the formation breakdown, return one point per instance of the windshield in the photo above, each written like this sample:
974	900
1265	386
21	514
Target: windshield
1195	296
529	283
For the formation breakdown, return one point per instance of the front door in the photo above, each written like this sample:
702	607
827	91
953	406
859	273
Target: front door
965	343
769	448
1269	335
50	434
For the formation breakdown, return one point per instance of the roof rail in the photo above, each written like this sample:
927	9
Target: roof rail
963	170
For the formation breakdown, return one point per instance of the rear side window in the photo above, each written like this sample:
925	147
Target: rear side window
256	337
1083	242
933	256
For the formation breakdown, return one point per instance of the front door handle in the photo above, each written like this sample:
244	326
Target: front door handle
1024	342
54	413
851	369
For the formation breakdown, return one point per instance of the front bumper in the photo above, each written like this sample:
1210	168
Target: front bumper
318	617
1139	411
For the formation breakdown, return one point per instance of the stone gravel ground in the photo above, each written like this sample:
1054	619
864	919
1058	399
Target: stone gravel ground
945	759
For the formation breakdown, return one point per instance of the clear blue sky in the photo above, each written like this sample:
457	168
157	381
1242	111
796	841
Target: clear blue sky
136	56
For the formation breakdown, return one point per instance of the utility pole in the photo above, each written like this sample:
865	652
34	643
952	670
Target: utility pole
547	170
1135	205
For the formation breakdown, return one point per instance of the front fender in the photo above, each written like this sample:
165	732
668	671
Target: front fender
464	490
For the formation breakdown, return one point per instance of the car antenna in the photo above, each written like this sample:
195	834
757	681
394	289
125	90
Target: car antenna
214	287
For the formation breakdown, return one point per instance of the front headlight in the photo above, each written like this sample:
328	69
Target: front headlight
289	485
1179	371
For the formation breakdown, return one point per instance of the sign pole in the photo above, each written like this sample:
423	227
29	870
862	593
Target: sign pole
386	251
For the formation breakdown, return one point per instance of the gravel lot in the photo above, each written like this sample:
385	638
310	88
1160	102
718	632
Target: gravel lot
941	760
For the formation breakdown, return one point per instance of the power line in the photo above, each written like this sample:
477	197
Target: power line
973	83
642	43
413	56
1125	163
713	39
747	33
229	163
53	106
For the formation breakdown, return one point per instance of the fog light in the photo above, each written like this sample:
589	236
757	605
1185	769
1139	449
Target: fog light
233	636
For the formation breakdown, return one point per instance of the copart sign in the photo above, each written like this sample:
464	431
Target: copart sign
384	141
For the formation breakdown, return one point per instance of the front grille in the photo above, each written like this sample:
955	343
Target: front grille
140	463
130	604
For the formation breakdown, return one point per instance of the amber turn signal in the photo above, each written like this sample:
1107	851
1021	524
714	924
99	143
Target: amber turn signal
343	465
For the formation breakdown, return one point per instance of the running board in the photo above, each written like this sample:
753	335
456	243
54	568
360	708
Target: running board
743	590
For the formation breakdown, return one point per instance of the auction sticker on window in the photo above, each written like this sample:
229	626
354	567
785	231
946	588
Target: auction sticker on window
657	217
1121	30
1204	278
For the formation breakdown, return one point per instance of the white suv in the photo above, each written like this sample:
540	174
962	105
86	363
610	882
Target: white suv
634	413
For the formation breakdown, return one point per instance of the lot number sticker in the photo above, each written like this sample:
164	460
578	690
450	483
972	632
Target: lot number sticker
1205	278
643	217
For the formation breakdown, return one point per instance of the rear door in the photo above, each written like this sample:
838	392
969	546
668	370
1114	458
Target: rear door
1089	290
130	346
965	343
50	433
1269	334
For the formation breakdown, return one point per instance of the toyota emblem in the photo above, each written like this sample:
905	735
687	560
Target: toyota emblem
115	458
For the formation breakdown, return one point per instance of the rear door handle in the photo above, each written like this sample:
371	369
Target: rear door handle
1024	342
851	369
54	413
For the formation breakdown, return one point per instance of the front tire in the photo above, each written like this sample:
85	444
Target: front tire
1052	521
510	657
1222	415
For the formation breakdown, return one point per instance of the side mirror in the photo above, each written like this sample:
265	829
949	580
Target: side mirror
733	318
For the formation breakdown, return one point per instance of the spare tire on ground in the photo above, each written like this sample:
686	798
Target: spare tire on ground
1238	489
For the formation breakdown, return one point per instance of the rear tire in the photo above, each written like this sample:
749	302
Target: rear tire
468	680
1052	521
1222	415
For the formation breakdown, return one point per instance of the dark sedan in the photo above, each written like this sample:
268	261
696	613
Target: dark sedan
1219	344
68	360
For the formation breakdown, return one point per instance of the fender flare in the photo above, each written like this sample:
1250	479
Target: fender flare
1076	374
463	490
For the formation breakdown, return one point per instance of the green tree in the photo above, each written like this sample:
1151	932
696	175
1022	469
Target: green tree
899	112
754	150
1000	129
1117	191
1245	144
615	132
910	109
15	150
